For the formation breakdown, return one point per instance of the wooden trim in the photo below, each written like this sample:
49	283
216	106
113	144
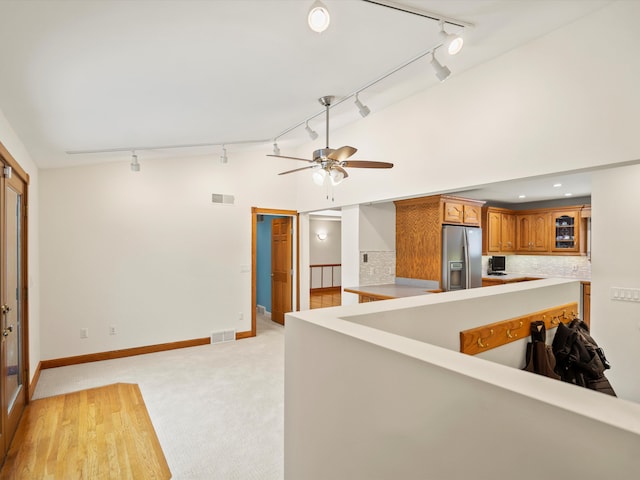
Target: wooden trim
245	334
34	382
127	352
15	166
325	290
255	211
486	337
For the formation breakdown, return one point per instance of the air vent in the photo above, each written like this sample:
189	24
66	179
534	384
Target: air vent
224	336
222	199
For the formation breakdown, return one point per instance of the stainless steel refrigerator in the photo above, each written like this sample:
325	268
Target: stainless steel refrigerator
461	257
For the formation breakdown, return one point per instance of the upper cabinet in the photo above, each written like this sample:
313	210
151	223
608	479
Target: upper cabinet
499	233
461	211
532	231
542	231
566	231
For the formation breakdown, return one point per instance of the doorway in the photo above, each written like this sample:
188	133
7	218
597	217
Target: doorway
274	263
14	365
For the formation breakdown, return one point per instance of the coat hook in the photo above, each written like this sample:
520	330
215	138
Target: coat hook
485	345
514	335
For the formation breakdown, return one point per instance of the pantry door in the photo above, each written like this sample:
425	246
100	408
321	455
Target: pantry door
13	341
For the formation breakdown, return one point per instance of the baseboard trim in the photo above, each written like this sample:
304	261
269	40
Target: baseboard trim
127	352
34	382
241	335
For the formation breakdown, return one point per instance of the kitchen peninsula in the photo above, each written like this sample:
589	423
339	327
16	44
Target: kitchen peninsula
400	289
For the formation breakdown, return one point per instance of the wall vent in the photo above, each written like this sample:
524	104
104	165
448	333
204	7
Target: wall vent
222	199
224	336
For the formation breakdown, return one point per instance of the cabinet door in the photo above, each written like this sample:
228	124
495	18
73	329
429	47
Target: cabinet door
539	235
494	220
565	231
508	232
471	215
523	233
453	212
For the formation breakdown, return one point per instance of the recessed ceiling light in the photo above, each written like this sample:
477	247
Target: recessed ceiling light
556	185
522	196
568	194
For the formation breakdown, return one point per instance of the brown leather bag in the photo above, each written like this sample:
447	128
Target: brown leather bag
540	358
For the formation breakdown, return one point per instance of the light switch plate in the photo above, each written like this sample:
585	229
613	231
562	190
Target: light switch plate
625	294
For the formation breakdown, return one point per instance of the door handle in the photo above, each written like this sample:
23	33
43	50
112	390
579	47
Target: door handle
7	331
6	308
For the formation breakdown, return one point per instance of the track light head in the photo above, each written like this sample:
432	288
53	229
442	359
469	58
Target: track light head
312	133
363	109
442	72
135	166
276	150
451	42
318	17
223	157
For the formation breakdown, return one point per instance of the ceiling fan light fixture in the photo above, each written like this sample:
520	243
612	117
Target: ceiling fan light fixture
312	133
442	71
452	43
319	176
363	109
318	17
135	166
336	177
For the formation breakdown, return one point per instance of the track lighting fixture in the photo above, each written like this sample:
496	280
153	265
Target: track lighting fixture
442	72
276	149
135	166
312	133
451	42
363	109
318	17
223	157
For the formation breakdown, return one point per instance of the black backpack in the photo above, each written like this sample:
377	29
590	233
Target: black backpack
579	360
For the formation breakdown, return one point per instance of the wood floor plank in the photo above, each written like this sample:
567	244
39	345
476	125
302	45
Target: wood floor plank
100	433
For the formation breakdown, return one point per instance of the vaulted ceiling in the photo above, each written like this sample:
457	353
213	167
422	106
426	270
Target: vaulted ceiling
123	75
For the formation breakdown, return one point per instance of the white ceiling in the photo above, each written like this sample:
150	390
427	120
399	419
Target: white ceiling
98	75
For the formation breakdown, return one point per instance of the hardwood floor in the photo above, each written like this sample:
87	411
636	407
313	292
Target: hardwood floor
101	433
323	299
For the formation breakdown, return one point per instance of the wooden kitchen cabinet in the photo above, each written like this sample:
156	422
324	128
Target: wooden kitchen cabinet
565	228
532	232
419	232
499	233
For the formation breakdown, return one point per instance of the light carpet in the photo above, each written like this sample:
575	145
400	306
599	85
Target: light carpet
218	410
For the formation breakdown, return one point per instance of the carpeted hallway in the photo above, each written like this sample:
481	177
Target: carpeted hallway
218	410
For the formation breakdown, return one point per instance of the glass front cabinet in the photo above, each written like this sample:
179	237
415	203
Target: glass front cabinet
566	231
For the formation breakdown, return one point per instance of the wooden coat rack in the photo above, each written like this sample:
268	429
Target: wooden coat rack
486	337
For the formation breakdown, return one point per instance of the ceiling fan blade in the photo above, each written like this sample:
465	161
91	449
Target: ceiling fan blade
342	153
297	169
292	158
366	164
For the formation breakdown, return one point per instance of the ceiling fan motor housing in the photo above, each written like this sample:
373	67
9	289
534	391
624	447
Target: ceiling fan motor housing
322	153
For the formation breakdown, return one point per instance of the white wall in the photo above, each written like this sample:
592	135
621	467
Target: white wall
565	101
18	151
616	263
148	252
383	406
378	227
327	251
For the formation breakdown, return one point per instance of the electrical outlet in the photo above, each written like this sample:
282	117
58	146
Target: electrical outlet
113	330
240	316
84	333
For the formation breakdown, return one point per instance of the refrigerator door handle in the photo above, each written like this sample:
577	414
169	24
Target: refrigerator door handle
467	259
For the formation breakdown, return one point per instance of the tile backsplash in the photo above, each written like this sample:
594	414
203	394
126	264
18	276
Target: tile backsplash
568	266
380	268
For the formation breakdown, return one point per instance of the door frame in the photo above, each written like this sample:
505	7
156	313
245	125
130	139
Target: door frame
255	211
8	160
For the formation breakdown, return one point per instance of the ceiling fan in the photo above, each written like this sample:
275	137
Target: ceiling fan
331	163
